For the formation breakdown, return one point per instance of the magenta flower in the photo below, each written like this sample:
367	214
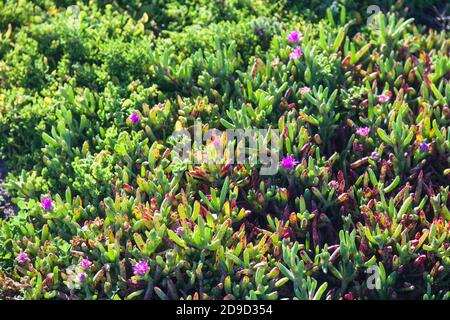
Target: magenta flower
424	147
82	276
179	230
85	264
288	162
297	53
383	98
374	155
47	204
22	258
134	118
294	36
363	131
140	268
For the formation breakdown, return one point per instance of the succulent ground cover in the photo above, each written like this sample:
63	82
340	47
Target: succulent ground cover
91	93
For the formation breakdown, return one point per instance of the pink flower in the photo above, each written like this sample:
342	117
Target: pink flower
294	36
85	264
363	131
134	118
383	98
374	155
22	258
179	230
297	53
46	204
304	90
288	162
140	268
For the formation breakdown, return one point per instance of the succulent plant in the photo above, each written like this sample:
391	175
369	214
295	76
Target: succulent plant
96	204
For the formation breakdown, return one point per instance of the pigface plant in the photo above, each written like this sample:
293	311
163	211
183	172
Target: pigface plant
224	150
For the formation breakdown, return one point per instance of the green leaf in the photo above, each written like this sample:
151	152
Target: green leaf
320	291
224	191
383	135
175	238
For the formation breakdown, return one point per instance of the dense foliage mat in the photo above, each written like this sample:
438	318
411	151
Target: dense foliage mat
92	91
